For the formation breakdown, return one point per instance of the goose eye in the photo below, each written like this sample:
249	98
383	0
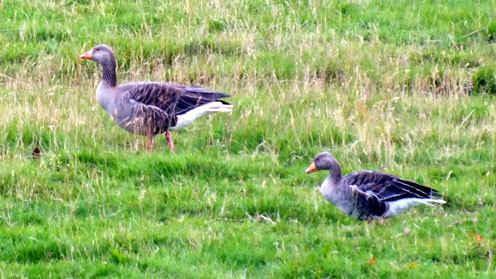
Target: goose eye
97	49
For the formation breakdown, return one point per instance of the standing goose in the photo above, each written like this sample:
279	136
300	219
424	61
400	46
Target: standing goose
369	194
151	108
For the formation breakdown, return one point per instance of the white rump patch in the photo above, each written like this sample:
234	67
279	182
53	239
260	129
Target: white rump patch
189	117
396	207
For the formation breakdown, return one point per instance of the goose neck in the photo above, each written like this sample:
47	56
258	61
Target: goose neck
335	172
109	77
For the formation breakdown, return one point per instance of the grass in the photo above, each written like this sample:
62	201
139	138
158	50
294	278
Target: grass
383	85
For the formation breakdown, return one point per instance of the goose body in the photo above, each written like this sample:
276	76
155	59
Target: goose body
369	194
151	108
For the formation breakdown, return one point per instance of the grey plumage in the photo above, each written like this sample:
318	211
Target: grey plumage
370	194
151	108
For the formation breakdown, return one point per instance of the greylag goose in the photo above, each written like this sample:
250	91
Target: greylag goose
151	108
370	195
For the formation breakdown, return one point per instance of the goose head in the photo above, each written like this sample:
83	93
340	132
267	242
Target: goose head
101	54
324	161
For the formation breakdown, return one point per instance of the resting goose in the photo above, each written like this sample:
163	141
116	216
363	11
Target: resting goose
369	194
151	108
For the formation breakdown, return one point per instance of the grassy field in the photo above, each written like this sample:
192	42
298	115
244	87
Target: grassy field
384	85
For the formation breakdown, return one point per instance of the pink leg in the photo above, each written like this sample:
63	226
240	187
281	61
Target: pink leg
149	142
169	141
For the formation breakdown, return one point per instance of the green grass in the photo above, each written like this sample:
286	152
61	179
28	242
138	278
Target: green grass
385	85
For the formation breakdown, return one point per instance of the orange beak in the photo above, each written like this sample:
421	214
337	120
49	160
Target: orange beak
311	168
87	55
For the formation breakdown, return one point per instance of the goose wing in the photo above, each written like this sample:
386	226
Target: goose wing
387	187
372	192
172	98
